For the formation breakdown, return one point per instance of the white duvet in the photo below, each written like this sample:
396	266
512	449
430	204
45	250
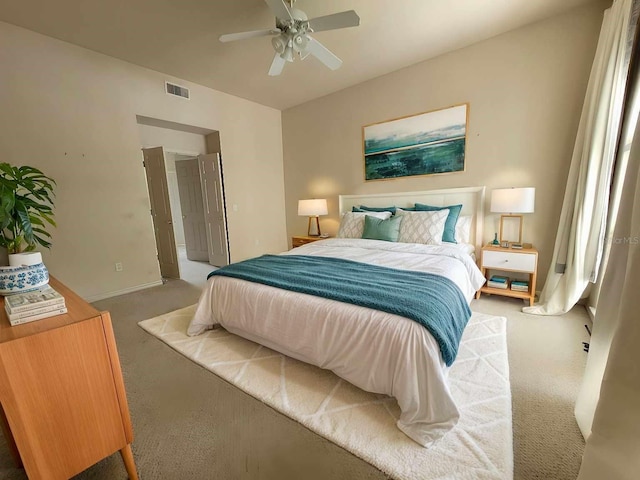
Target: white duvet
376	351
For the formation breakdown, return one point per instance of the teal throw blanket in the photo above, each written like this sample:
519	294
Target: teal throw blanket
433	301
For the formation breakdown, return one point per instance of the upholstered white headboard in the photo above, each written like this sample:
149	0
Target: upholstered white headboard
471	198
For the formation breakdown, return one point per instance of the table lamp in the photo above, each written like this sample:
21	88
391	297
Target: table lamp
512	203
313	208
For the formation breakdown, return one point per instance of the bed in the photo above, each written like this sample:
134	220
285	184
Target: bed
376	349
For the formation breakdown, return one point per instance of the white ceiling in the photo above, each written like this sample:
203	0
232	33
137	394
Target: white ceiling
180	37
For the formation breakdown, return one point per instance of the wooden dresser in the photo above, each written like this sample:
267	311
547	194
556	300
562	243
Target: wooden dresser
63	400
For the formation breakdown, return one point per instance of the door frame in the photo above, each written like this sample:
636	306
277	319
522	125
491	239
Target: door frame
224	206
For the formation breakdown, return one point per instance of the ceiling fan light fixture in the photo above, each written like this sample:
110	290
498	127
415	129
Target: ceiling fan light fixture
279	44
288	54
300	43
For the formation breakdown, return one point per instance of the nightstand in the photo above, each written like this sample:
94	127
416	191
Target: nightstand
523	260
298	241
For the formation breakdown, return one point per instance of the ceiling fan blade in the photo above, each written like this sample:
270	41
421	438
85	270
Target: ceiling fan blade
279	9
338	20
323	54
231	37
277	65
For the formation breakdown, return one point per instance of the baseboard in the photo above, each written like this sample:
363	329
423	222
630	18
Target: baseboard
102	296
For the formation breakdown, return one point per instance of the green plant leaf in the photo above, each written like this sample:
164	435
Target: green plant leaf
26	207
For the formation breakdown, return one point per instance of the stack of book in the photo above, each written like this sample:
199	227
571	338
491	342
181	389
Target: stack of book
35	305
520	285
498	281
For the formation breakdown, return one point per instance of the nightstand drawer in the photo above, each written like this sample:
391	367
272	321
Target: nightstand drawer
299	241
522	262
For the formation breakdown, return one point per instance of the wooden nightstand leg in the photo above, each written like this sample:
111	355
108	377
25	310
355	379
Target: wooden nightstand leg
532	280
129	464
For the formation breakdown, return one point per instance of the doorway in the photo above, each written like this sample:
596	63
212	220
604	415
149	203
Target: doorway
186	192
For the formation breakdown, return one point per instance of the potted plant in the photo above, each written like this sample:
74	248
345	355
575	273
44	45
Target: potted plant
26	210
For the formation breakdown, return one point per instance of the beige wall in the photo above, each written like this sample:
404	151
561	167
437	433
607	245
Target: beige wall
525	90
72	113
172	140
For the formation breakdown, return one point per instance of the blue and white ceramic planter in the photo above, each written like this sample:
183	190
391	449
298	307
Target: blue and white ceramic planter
23	278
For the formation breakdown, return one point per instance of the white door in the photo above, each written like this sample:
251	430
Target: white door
214	208
191	205
161	211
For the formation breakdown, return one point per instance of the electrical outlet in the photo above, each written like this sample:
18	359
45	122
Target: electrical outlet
118	267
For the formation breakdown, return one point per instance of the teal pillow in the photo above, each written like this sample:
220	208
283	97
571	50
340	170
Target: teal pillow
449	234
362	208
407	209
378	229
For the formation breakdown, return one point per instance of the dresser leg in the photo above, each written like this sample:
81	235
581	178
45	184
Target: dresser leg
8	436
129	464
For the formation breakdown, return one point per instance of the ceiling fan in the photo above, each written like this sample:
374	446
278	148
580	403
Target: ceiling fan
291	34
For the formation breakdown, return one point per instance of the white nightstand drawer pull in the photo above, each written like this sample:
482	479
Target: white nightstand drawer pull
522	262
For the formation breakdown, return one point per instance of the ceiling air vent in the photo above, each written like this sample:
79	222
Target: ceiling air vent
176	90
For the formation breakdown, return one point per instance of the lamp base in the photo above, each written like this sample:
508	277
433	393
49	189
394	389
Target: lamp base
317	234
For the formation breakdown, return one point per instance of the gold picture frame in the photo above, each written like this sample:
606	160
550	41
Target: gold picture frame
509	224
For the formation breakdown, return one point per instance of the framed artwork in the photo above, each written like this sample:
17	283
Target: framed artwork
424	144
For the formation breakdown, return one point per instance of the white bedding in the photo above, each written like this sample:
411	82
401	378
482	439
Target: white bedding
376	351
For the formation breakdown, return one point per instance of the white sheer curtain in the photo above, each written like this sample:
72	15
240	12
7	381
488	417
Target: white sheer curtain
608	406
580	239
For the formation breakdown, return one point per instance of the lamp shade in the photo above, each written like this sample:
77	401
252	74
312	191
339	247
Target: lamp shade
312	207
513	200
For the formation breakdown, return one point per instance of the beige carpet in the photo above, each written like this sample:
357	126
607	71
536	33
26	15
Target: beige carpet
192	425
364	423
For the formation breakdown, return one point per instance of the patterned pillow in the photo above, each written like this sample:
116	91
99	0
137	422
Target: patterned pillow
463	229
422	227
449	234
352	223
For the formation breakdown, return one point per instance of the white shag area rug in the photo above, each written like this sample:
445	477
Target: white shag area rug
479	447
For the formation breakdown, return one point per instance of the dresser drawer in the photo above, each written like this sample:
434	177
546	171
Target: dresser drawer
522	262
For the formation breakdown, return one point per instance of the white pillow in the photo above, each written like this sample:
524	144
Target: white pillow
463	229
352	223
422	227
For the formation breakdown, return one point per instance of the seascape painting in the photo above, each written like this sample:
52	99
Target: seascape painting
424	144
